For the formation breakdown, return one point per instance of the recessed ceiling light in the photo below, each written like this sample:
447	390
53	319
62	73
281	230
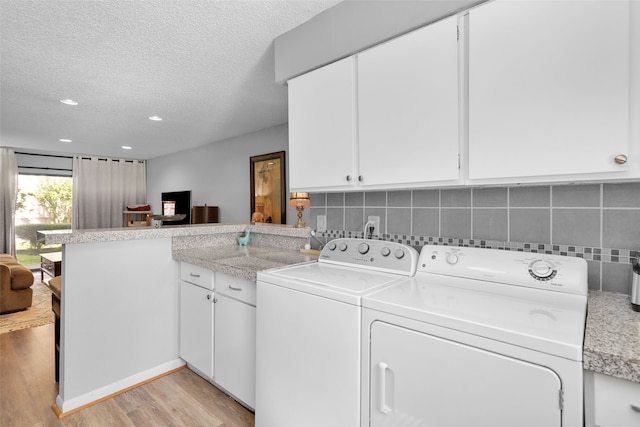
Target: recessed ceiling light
155	118
65	140
69	102
126	147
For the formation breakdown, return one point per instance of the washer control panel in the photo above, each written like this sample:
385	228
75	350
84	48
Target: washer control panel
535	270
377	255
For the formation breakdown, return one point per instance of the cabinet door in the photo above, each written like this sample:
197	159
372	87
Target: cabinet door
321	126
196	327
421	380
548	89
617	402
235	349
408	108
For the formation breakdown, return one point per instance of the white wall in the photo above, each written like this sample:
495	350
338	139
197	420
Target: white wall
217	174
119	317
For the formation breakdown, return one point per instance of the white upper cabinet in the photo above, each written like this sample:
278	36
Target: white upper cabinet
385	118
321	127
549	91
408	108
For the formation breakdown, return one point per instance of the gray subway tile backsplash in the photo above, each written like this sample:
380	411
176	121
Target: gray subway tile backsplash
598	222
334	199
354	199
426	198
576	226
399	198
621	228
399	221
456	198
490	197
529	197
491	224
623	195
530	225
455	222
571	196
375	198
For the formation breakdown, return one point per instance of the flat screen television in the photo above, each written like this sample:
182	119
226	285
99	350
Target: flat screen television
175	203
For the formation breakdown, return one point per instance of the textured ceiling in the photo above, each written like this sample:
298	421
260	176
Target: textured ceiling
205	66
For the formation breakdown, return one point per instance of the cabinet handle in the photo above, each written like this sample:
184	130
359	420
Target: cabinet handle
208	296
349	178
635	408
620	159
194	275
360	178
234	288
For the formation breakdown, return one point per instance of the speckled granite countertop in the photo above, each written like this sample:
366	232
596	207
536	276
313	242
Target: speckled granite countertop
176	231
612	337
241	261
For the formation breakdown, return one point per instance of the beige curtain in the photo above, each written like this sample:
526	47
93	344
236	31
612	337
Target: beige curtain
102	188
8	194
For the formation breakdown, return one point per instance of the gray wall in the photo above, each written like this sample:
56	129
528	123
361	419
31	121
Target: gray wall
217	174
598	222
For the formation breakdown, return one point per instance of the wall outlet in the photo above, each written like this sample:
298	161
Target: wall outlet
321	223
376	226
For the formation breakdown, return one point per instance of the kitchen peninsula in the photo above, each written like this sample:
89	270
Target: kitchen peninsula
120	296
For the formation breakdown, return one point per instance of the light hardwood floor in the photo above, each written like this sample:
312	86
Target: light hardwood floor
28	389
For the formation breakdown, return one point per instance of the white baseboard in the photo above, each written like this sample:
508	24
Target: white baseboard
94	396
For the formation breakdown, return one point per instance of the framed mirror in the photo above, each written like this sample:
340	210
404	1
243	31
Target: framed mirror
268	198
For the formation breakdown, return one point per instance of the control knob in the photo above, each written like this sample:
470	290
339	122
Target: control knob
385	251
453	259
342	247
363	248
332	246
399	253
542	270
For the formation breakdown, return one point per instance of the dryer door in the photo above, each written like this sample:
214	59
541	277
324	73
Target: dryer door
421	380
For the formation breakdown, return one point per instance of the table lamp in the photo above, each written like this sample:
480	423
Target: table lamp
299	201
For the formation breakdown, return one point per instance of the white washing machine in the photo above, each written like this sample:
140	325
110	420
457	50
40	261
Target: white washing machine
477	338
308	346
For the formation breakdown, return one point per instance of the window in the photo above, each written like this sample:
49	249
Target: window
43	203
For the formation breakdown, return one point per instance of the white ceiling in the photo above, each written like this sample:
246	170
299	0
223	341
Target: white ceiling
205	66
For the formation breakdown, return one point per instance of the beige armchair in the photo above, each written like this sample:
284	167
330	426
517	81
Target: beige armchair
15	285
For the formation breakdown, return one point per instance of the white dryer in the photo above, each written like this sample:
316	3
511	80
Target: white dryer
477	338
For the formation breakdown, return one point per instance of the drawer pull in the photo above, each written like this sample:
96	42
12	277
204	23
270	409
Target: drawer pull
635	408
194	275
235	288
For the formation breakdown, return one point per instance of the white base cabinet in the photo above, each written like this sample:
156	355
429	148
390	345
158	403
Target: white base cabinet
235	337
611	402
218	330
196	327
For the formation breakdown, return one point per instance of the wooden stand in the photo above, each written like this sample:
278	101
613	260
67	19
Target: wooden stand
143	222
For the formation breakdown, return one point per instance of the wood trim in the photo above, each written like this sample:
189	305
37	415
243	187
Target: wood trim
61	414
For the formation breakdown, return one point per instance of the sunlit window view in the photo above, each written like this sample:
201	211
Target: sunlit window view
43	203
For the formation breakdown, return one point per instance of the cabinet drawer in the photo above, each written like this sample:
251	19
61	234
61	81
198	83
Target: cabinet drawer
197	275
240	289
615	400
